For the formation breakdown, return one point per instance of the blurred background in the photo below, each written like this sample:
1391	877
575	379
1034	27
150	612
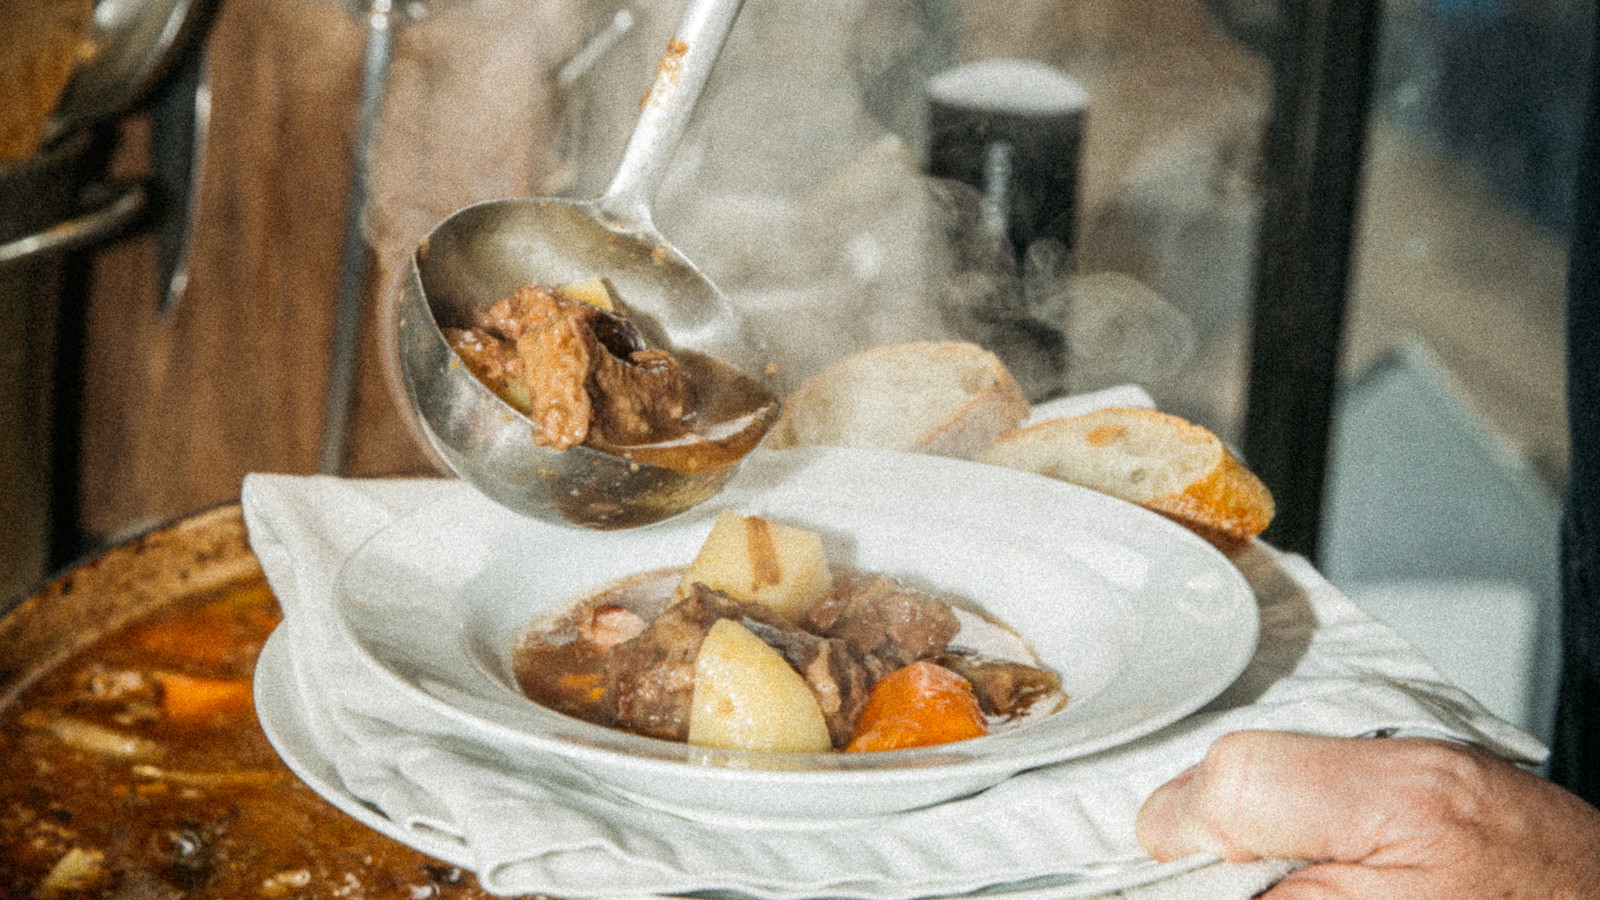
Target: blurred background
1333	233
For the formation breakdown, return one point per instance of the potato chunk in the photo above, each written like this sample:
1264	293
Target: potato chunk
746	697
757	561
593	291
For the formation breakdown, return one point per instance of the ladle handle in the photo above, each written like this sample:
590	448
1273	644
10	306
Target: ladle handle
681	75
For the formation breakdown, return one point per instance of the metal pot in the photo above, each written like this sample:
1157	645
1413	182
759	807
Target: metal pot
130	45
199	554
184	565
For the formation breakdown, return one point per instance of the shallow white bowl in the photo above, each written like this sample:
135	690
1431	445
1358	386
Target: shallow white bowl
1144	621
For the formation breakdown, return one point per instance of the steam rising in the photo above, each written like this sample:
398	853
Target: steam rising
817	220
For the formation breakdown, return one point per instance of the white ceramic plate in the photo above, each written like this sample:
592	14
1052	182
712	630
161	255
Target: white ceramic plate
282	719
1144	621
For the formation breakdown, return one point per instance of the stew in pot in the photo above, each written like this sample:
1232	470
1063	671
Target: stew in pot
135	769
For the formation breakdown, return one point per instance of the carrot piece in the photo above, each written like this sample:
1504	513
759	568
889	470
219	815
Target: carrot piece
186	698
222	632
917	706
585	687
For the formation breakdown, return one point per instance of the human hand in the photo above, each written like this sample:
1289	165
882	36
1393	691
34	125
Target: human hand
1405	817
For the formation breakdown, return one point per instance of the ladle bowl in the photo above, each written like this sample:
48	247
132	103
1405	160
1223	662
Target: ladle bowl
484	252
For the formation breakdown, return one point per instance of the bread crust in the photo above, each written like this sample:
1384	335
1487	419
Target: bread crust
1157	460
1225	502
996	409
1228	506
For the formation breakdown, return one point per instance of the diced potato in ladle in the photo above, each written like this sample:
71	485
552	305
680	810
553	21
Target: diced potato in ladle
596	292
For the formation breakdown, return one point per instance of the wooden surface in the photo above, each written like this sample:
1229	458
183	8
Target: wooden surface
178	410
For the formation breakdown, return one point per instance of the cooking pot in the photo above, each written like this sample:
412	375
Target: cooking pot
180	568
199	554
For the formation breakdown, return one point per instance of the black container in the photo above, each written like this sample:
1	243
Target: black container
1013	130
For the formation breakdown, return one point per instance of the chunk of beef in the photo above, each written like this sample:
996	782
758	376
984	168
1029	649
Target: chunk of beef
825	612
529	306
583	371
1004	688
557	355
650	678
879	618
839	680
640	399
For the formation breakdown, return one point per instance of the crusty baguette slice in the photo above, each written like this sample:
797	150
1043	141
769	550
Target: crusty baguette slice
947	398
1157	460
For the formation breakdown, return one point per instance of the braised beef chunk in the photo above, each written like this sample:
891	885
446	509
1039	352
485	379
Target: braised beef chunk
825	612
509	317
1004	688
839	680
650	678
881	619
584	370
642	397
557	355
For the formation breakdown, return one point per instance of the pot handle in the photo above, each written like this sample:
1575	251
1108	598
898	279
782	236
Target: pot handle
114	204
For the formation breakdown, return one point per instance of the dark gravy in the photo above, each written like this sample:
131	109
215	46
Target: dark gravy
567	675
732	412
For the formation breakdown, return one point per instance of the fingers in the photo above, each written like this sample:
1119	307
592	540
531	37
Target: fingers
1413	818
1269	794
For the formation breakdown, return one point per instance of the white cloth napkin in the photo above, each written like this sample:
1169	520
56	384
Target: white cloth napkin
1078	404
1322	666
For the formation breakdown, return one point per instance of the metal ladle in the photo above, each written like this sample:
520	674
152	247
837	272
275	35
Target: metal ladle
482	253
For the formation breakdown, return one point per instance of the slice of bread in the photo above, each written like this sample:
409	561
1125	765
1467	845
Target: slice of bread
1157	460
947	398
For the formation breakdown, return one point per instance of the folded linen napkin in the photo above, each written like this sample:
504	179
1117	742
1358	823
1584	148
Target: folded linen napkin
1322	666
1078	404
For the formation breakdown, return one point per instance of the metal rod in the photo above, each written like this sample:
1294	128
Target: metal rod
680	77
125	203
181	125
1312	178
354	259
